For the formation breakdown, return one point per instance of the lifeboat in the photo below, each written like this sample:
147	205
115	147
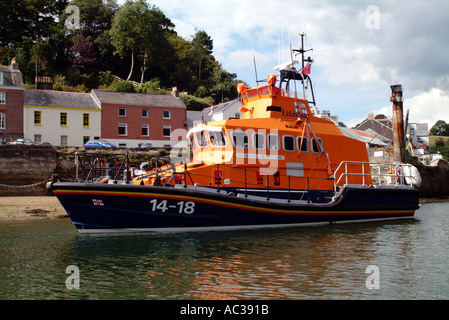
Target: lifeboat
278	165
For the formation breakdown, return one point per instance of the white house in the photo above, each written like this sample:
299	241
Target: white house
61	118
224	111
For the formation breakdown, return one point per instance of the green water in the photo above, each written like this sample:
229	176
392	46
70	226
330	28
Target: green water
329	262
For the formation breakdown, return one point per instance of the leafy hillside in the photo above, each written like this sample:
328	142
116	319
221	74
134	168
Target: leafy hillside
86	44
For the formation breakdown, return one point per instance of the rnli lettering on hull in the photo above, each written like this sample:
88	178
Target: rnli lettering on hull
260	156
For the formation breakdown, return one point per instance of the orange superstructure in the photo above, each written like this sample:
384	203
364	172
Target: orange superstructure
278	143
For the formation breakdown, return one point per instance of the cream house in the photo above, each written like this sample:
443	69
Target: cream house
61	118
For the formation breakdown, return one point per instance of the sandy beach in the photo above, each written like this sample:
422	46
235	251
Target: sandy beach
21	208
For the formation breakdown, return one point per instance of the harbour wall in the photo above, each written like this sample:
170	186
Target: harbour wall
24	170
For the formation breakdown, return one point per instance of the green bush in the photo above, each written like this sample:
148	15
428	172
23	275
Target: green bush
194	103
57	87
124	86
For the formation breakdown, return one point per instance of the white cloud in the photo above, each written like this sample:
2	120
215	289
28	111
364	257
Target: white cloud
358	64
430	106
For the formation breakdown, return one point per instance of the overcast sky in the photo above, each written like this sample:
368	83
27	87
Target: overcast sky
360	48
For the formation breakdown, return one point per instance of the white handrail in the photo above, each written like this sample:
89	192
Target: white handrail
392	173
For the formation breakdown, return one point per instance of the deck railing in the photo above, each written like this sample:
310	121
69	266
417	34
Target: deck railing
374	174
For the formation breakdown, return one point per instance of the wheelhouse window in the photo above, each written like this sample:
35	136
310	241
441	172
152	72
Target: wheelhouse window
305	144
289	143
273	142
258	141
201	138
217	138
317	148
240	139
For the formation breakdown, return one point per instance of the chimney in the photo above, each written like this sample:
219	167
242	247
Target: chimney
370	115
175	92
398	123
14	65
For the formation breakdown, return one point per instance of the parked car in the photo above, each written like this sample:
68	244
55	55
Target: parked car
22	141
146	145
98	143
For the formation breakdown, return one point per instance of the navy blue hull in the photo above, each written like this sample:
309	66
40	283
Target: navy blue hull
98	208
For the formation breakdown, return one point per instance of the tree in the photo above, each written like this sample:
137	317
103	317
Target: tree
442	147
139	30
441	128
202	46
83	56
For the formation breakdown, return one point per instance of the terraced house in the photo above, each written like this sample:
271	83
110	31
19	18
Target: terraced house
11	102
61	118
71	119
135	119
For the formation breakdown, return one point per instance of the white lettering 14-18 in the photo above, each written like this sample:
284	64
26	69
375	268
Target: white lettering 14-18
187	207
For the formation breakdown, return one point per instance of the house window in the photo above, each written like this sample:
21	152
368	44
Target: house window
1	78
166	131
37	138
2	97
122	129
122	112
145	130
37	118
144	113
85	139
63	141
166	114
2	120
86	120
63	119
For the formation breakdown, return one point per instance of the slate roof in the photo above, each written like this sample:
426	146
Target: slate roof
377	129
361	136
11	77
138	99
59	99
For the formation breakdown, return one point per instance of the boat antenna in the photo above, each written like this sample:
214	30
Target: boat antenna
255	67
254	60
